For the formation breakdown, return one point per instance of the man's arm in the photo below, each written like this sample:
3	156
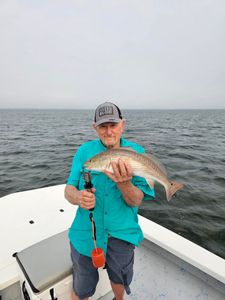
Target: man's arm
83	198
132	195
122	175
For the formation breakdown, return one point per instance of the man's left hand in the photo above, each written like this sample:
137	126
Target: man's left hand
122	172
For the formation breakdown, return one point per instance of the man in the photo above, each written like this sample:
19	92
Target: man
115	198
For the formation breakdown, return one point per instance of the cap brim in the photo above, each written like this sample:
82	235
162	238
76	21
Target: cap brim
108	120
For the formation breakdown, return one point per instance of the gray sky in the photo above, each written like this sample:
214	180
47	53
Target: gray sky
138	54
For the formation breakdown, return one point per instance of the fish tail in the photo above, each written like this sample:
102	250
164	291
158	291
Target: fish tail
172	188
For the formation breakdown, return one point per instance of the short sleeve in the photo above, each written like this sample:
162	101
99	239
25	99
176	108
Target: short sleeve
141	183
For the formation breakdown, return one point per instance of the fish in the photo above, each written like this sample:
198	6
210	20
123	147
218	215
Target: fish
142	164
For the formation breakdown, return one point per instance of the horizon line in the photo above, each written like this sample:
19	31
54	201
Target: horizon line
144	108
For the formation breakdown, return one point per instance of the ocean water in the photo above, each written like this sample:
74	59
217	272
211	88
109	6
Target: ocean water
37	146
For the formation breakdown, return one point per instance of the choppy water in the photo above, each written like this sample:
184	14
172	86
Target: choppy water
37	146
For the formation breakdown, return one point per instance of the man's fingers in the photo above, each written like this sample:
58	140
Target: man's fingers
87	205
115	168
122	168
129	170
88	194
122	171
87	199
125	170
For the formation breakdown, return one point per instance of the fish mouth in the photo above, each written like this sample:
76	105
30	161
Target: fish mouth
86	164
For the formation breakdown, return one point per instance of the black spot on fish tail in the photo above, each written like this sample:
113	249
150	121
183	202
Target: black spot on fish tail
172	189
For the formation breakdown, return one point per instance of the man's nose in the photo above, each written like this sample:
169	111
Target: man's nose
109	130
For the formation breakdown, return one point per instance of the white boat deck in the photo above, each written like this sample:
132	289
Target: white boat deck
167	266
160	275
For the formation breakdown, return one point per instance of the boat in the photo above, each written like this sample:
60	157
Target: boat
167	266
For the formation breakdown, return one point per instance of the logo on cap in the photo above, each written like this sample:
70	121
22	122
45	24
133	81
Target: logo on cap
105	111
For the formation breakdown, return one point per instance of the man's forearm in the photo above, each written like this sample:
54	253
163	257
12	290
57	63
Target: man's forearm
132	195
71	194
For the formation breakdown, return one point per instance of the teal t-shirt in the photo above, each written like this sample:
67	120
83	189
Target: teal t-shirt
112	215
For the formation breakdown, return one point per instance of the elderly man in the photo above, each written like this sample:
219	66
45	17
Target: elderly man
115	198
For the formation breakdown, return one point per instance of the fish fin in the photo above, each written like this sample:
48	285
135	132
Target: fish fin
157	162
151	183
172	189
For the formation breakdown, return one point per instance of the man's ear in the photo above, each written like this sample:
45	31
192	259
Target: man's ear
123	125
94	126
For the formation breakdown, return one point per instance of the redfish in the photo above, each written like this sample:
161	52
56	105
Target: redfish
143	165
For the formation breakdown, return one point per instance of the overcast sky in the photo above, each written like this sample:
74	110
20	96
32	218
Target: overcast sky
138	54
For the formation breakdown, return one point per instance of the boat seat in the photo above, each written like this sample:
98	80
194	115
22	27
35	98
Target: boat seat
46	262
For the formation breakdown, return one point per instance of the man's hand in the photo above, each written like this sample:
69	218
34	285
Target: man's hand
86	198
122	175
122	172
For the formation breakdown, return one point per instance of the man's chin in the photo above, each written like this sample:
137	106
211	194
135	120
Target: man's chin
109	144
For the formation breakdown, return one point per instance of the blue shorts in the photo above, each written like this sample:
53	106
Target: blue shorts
119	266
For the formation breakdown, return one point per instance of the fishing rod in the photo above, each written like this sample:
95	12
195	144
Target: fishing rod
97	254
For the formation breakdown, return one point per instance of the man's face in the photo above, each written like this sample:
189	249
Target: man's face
110	133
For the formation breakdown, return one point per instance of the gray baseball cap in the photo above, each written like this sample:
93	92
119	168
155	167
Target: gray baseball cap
107	112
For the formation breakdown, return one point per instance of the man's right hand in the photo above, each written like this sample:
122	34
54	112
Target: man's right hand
83	198
86	198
